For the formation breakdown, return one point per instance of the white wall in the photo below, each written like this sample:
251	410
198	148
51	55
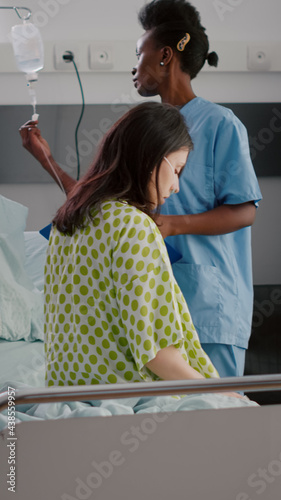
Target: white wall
90	20
248	20
252	21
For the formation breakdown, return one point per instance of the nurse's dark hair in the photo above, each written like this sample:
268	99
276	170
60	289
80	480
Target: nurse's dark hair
169	21
122	168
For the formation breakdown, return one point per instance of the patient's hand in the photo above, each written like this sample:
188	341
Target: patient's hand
232	394
34	142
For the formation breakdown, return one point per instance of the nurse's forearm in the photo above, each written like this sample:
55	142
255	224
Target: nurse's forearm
58	174
169	364
221	220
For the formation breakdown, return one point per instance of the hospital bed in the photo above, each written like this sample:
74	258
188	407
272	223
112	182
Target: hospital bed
216	454
65	448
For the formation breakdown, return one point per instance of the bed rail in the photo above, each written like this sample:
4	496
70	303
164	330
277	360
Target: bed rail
253	383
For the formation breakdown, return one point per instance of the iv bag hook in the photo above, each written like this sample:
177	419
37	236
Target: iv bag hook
17	10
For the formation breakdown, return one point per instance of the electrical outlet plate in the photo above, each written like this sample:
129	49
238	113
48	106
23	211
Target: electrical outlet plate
100	56
258	57
60	49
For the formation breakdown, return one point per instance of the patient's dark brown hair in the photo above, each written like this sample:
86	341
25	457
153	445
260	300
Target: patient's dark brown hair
122	168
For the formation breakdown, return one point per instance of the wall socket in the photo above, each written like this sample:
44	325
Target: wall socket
60	49
88	56
100	56
259	57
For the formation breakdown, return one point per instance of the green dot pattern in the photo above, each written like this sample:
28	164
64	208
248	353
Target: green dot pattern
112	302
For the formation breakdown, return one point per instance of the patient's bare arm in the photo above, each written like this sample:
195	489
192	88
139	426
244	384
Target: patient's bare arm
33	142
169	364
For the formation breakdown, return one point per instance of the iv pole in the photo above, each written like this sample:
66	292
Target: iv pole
17	10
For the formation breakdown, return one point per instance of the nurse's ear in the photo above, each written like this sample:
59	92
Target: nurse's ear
167	55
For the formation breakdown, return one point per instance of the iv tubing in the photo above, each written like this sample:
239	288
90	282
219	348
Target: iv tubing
53	170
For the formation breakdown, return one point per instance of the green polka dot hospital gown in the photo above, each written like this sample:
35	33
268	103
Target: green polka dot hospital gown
112	302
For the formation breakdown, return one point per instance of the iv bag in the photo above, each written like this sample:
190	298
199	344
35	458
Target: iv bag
28	48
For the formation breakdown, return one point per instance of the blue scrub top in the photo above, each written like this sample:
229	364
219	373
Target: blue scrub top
215	272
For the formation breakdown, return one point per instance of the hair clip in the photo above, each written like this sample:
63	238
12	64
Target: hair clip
182	43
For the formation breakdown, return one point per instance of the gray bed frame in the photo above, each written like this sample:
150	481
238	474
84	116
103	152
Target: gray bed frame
224	454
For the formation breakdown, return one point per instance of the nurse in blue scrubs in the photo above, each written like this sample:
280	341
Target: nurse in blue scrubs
209	221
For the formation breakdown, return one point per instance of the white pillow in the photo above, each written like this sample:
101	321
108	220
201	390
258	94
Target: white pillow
21	308
35	256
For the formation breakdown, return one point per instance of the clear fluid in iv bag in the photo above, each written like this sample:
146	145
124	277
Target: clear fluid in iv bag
28	47
29	66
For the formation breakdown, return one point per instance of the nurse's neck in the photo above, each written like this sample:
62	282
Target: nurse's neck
177	89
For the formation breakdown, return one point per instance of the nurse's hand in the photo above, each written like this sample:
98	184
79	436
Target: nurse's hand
165	224
219	220
33	142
